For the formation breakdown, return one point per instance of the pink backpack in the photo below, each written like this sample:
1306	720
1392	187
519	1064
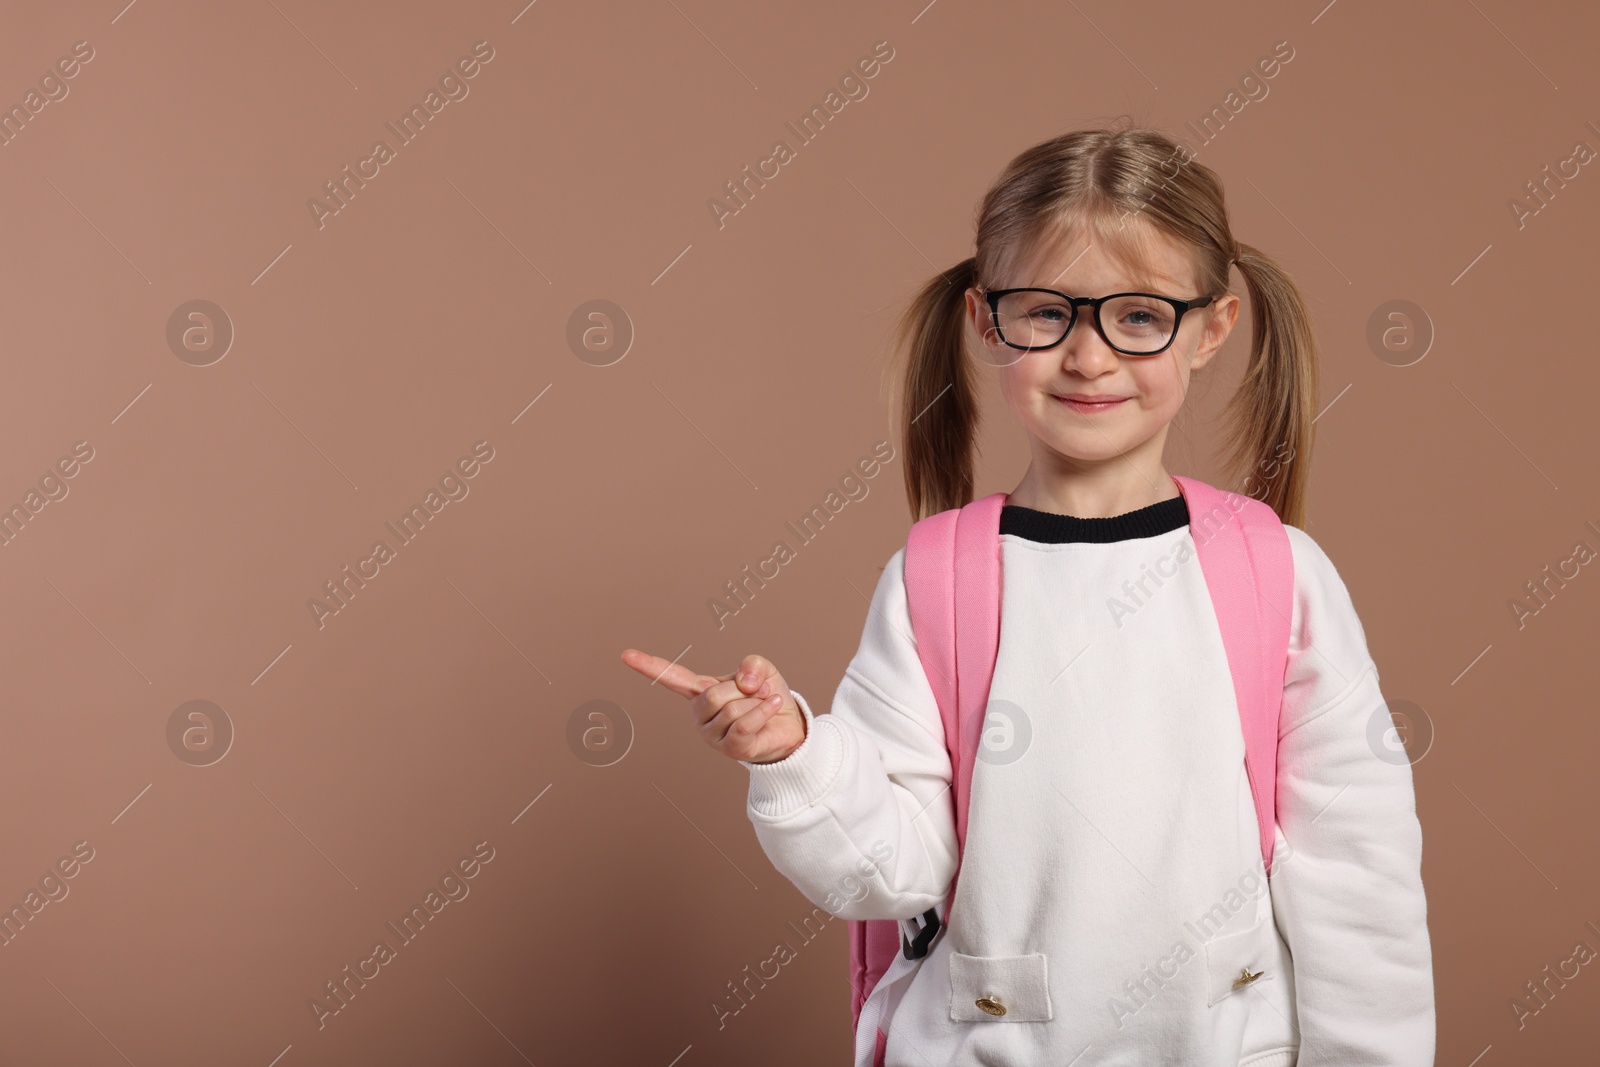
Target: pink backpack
952	575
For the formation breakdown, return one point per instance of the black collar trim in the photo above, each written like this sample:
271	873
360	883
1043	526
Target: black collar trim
1050	527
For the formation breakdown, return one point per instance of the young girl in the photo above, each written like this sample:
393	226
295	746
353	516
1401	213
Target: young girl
1105	859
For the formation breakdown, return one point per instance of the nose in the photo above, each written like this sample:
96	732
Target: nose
1084	351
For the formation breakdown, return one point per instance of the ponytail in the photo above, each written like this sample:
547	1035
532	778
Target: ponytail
938	408
1270	426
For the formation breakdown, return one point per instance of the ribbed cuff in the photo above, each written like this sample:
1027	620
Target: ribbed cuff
802	777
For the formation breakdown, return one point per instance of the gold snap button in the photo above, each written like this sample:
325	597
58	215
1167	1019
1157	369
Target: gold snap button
991	1005
1245	977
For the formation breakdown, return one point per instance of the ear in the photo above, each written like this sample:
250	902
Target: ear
982	323
1220	318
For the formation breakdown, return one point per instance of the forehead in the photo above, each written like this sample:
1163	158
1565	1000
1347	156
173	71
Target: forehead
1086	260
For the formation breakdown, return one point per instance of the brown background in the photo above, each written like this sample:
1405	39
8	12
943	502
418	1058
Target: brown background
371	353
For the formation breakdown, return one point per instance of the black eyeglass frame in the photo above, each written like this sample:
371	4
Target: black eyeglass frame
1181	307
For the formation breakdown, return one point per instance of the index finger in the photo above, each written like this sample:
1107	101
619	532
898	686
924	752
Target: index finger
674	676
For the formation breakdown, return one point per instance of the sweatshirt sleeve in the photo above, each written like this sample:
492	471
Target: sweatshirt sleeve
860	817
1346	882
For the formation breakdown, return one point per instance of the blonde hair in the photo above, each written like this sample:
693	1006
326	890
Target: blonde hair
1089	181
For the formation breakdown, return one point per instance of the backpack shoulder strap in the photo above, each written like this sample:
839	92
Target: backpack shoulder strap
953	579
1249	569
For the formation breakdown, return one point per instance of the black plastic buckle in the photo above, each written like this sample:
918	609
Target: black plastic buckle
915	950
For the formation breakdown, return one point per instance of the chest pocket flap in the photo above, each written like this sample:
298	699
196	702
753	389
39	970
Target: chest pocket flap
1237	961
999	989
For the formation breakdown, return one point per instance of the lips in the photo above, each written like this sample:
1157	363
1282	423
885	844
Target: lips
1090	402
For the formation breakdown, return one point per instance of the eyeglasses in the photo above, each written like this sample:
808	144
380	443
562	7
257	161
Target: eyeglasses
1142	324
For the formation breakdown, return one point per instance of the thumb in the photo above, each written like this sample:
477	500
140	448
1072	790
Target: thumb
754	670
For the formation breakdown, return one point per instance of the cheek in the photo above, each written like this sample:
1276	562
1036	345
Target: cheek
1008	382
1019	382
1162	386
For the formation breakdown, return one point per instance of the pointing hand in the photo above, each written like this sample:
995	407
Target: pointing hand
748	715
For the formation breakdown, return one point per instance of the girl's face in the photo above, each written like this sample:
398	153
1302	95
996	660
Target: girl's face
1067	437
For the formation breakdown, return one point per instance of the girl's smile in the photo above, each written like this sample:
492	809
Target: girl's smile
1090	402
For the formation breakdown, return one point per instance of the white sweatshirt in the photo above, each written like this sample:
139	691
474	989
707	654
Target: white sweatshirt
1111	888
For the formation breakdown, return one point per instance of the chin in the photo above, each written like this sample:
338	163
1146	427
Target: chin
1087	444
